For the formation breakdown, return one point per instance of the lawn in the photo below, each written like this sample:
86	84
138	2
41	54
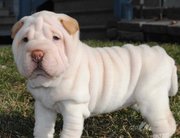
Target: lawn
16	105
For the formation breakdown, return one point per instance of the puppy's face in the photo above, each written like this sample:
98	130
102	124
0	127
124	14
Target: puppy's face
40	44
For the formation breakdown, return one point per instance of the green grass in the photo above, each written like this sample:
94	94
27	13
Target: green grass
16	105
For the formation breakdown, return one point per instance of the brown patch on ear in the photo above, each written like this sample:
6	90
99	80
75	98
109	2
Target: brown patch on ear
70	24
16	27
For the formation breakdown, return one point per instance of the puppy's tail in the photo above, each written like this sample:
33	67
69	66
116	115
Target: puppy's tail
174	82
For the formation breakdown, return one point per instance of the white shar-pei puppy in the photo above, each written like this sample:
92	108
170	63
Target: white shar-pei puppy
67	76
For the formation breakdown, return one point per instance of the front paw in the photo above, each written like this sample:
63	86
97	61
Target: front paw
43	136
70	135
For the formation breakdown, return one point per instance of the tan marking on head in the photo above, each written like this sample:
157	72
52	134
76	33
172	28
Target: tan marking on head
70	24
16	27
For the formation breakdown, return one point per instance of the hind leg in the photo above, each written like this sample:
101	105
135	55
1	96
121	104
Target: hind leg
163	128
157	112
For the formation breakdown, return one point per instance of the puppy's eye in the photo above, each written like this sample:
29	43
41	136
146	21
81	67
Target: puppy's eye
56	38
25	39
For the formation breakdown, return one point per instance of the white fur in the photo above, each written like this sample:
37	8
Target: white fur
87	81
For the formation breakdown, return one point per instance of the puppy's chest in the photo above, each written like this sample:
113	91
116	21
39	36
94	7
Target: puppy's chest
49	97
52	97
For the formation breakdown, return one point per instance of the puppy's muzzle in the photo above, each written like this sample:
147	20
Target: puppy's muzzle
37	56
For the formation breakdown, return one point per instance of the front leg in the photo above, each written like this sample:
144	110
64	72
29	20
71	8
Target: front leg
44	121
73	119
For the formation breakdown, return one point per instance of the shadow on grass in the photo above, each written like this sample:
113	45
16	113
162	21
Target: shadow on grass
15	126
18	126
113	125
124	124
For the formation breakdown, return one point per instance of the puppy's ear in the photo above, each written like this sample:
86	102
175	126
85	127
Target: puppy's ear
70	24
16	27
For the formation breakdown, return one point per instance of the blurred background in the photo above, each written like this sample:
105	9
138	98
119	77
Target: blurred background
134	20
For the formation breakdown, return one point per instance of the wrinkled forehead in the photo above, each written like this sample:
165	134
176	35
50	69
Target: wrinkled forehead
41	25
38	20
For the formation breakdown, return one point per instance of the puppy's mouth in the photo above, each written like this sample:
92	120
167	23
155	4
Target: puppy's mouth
39	72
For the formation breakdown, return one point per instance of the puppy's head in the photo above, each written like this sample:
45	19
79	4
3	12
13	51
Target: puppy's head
43	43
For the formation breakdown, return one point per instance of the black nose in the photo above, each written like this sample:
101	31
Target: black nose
37	56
